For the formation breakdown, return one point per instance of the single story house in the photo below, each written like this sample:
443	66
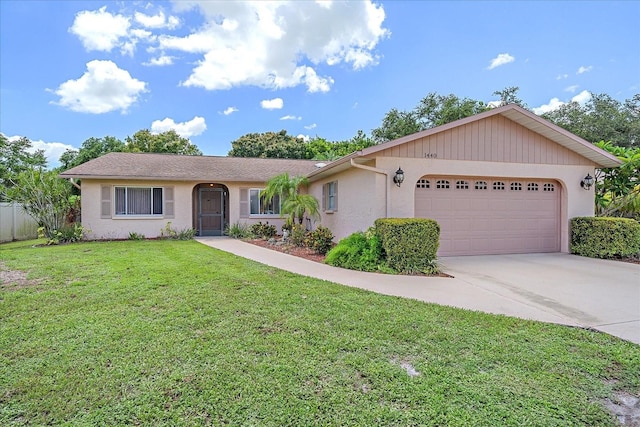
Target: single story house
503	181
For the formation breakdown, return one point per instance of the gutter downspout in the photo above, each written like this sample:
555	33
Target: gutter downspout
386	188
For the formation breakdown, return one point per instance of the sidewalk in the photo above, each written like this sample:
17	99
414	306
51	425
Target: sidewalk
454	292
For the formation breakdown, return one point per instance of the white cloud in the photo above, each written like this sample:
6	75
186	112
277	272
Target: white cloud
229	110
290	117
582	98
272	104
311	126
494	104
188	129
100	30
571	88
584	69
278	44
157	21
555	103
52	150
562	76
102	88
501	59
160	61
305	138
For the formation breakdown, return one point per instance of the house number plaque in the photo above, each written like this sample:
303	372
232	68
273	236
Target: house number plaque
431	155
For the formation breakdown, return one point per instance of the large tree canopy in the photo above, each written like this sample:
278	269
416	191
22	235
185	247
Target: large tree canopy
17	157
602	118
144	141
433	110
281	145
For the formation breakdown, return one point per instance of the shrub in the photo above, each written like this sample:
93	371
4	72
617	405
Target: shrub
263	231
238	230
320	240
410	244
604	237
359	251
70	233
298	235
136	236
170	233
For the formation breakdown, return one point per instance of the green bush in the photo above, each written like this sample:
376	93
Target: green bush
298	235
69	233
320	240
136	236
410	244
238	230
605	237
263	231
171	233
359	251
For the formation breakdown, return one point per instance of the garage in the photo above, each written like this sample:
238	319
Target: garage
485	215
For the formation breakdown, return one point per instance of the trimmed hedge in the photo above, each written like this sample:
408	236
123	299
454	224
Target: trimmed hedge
410	244
604	237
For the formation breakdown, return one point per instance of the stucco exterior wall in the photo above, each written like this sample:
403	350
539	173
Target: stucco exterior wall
361	200
151	226
575	201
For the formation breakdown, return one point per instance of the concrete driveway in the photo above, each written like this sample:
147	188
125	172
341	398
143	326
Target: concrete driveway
593	293
556	288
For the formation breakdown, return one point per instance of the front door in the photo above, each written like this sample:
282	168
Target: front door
210	211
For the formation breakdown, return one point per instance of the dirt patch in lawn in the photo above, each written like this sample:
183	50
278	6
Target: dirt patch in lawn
14	279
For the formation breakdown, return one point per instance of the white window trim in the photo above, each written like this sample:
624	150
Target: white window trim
326	196
262	215
138	216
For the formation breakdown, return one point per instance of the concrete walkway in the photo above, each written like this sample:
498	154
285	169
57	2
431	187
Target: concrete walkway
556	288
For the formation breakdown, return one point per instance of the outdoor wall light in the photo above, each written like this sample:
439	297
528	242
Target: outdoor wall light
586	182
398	178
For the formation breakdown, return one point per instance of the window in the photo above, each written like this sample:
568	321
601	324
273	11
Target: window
549	187
423	183
138	200
481	185
442	183
462	185
330	196
516	186
498	185
259	206
532	186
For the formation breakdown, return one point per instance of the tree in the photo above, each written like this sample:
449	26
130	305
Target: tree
509	95
272	145
44	196
294	204
90	149
144	141
15	157
433	110
618	189
321	149
602	118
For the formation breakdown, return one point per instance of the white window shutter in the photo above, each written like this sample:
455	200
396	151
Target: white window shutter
244	203
169	211
105	201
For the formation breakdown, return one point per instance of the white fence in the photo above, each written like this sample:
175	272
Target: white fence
16	224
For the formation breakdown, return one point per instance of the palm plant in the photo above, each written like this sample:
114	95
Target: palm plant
294	204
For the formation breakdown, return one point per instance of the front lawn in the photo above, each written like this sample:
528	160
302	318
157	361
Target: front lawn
177	333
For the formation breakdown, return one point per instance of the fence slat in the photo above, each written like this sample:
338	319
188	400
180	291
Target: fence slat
16	224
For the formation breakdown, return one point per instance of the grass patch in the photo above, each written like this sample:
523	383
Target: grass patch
177	333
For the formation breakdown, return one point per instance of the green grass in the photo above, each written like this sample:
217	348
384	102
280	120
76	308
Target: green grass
176	333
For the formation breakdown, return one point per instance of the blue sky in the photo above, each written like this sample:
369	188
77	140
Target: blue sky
214	71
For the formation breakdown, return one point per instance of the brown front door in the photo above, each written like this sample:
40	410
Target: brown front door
210	211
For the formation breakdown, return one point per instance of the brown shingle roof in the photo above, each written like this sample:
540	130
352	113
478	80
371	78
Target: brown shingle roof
187	168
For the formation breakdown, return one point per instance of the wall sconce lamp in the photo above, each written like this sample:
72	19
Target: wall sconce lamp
586	182
398	178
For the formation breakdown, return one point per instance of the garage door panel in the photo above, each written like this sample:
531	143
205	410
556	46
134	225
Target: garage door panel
488	221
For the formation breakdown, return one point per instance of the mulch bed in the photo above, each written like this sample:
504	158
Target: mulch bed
302	252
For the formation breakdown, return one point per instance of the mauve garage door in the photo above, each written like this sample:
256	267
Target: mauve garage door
481	216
